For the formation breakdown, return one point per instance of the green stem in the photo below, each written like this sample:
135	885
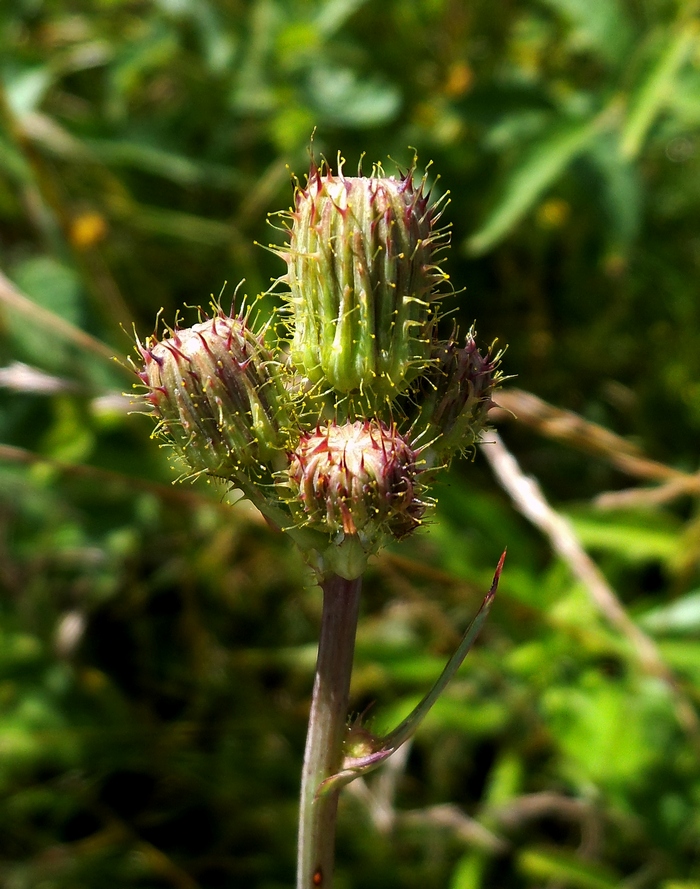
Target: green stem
327	723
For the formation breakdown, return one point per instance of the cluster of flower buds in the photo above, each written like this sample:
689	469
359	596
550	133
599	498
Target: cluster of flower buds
333	429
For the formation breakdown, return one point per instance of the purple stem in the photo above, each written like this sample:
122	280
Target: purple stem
327	723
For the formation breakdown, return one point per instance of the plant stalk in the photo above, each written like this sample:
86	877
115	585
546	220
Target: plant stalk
327	723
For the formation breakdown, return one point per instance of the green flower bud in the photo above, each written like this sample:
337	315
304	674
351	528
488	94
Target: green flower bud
455	396
362	275
356	480
220	403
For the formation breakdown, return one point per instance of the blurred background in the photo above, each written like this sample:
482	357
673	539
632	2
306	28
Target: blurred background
156	644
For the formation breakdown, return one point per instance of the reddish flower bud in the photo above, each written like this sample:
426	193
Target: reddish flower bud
356	479
454	397
220	403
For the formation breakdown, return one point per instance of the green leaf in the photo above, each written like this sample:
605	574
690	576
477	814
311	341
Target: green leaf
681	616
25	89
218	44
601	26
622	191
342	98
174	224
656	90
252	91
334	14
516	128
68	438
505	779
609	733
567	868
14	164
54	286
684	102
156	48
537	172
634	543
682	655
475	719
159	162
469	872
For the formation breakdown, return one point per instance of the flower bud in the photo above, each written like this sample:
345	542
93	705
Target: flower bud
362	275
356	479
455	395
219	401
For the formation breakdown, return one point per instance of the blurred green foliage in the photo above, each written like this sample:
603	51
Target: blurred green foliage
157	645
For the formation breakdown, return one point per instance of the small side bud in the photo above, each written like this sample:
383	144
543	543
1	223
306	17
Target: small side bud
363	278
214	389
356	481
456	396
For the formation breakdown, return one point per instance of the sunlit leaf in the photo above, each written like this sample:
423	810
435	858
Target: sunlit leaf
469	872
54	286
539	169
683	102
26	88
567	868
680	616
341	97
655	91
608	732
602	26
69	438
334	13
682	655
632	542
505	779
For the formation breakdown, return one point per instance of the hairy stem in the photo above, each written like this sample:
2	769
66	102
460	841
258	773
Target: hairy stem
324	741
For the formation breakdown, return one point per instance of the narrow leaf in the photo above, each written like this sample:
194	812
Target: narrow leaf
621	191
656	90
681	616
151	159
541	864
599	26
537	172
11	297
334	14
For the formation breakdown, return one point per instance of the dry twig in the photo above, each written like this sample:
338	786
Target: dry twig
531	502
571	429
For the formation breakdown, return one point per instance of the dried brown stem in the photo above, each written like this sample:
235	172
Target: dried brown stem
531	502
571	429
14	299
